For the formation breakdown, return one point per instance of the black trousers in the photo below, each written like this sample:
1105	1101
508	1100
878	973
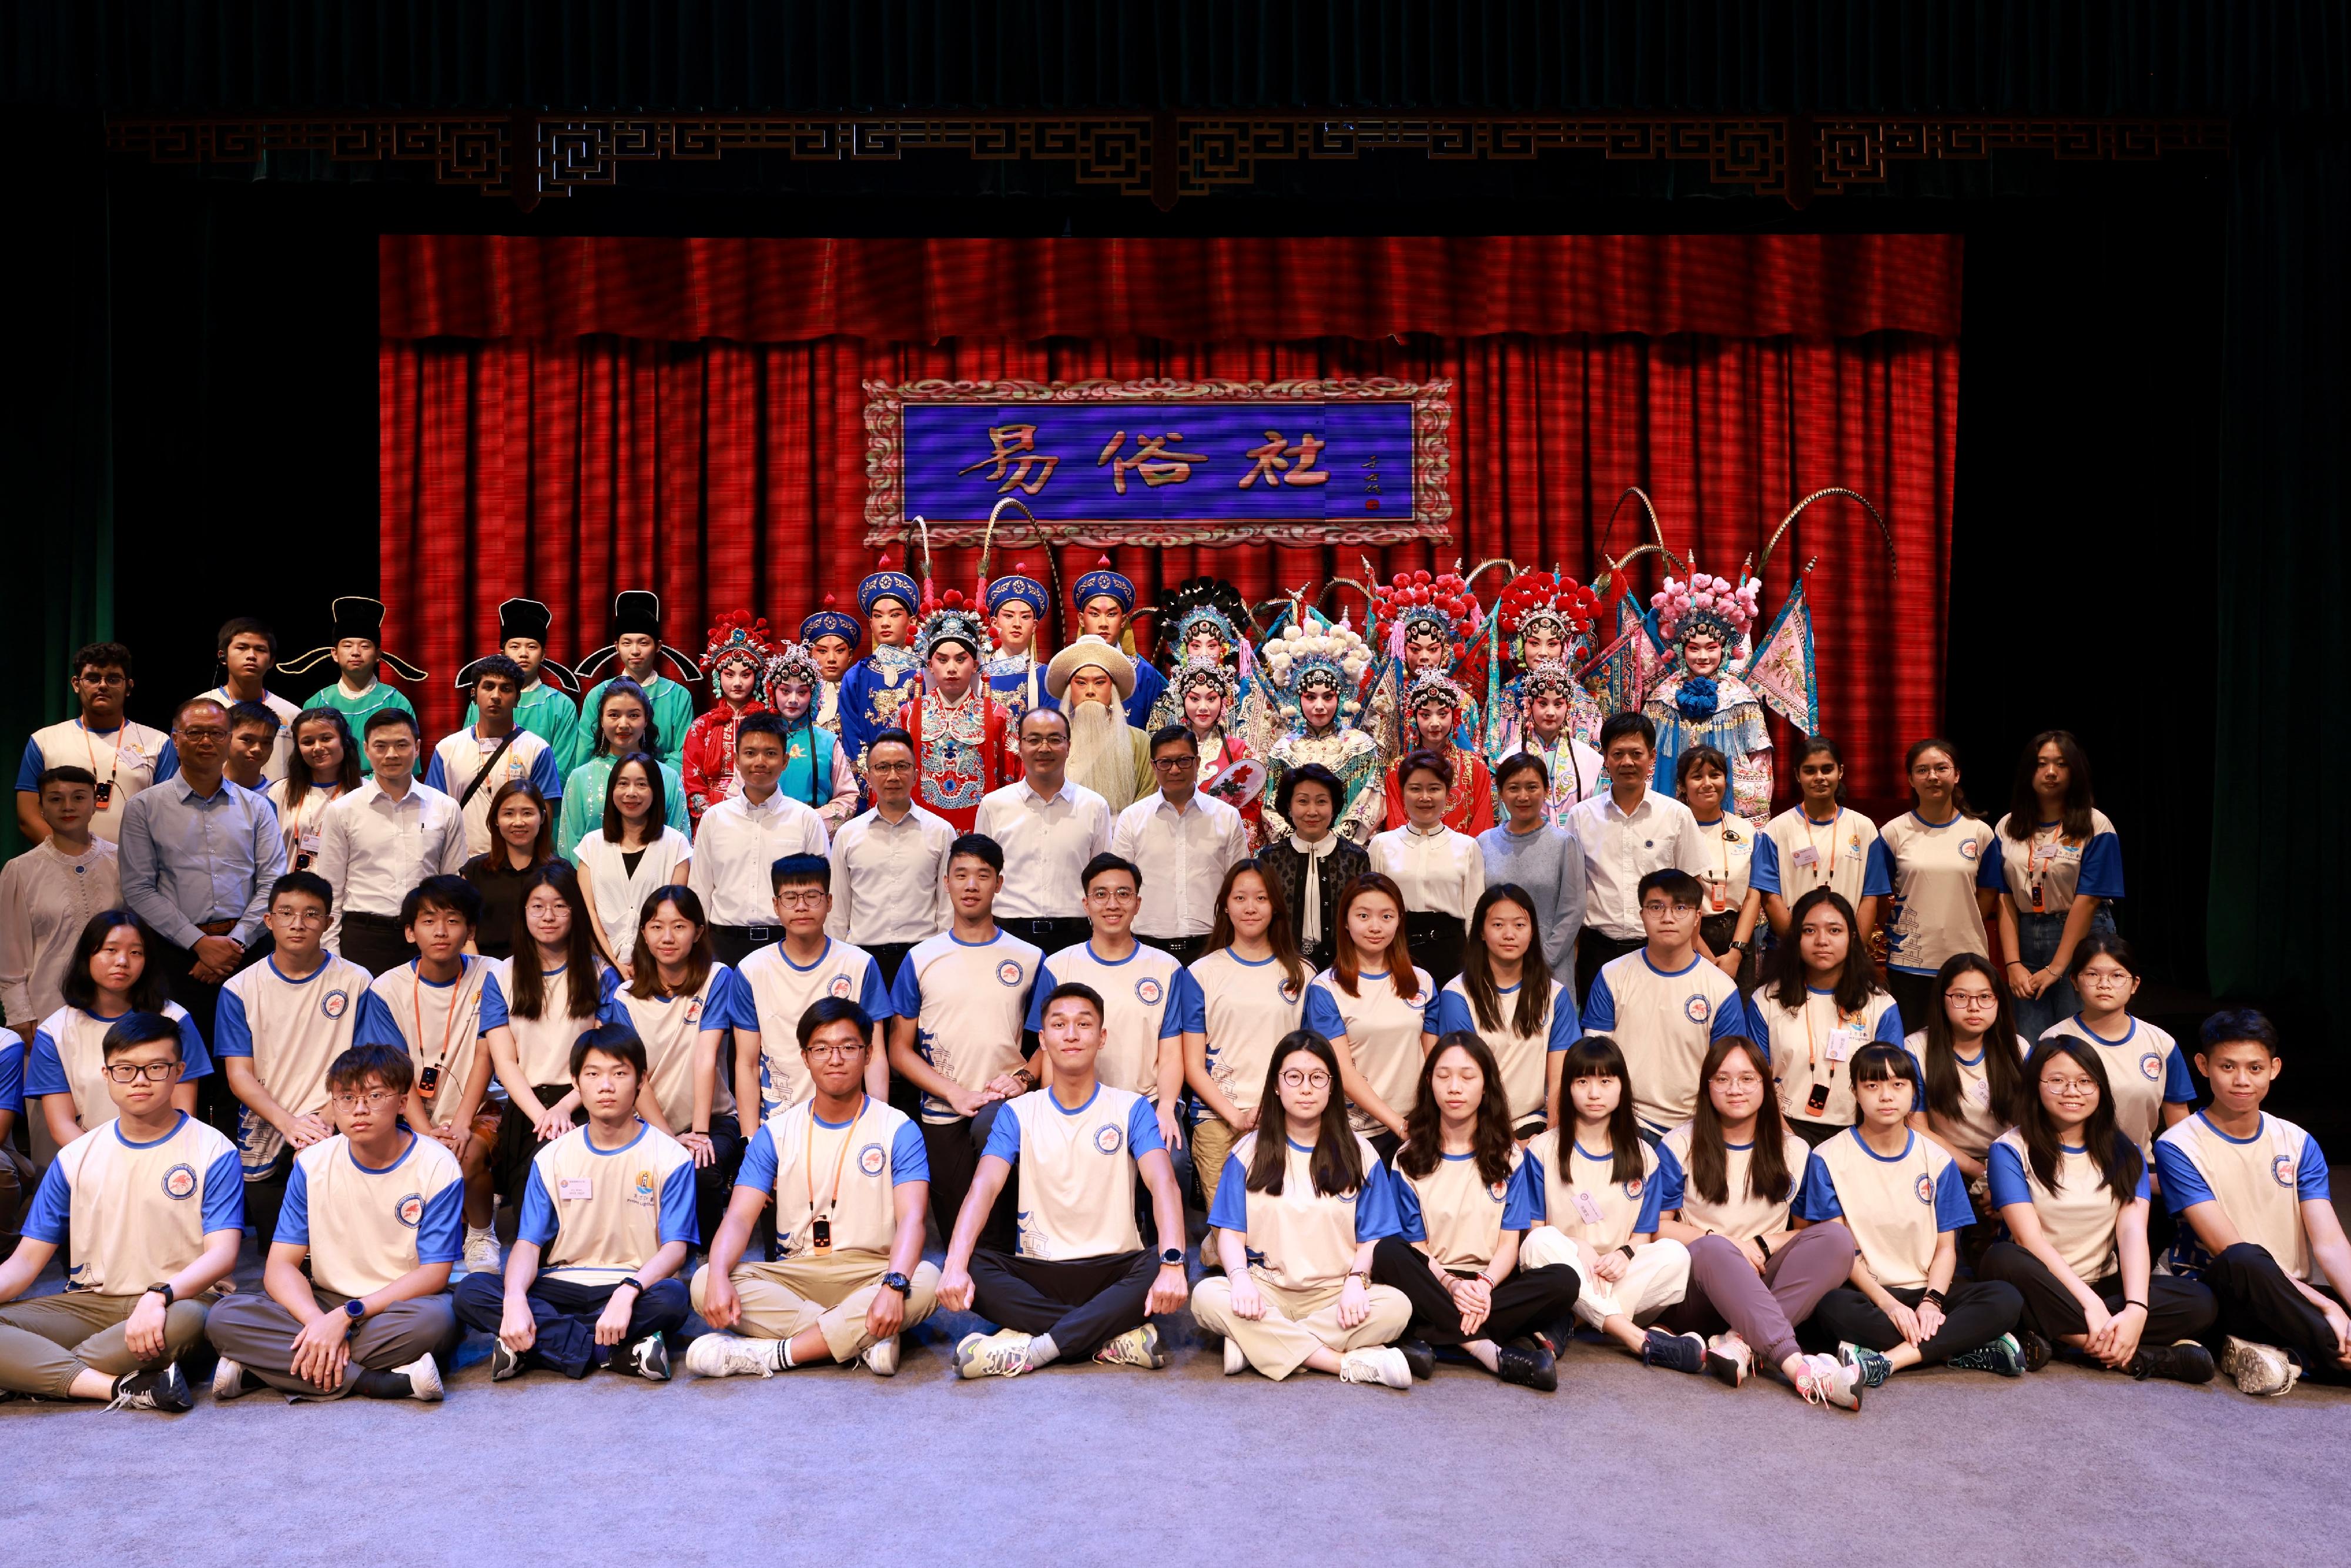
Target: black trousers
1050	936
733	943
566	1312
1436	943
1083	1303
954	1149
1593	950
1975	1312
887	956
1717	930
1527	1301
519	1144
1915	995
2256	1300
376	943
2176	1309
1183	950
266	1198
714	1184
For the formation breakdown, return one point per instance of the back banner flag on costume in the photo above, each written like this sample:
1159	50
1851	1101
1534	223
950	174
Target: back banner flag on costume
1781	672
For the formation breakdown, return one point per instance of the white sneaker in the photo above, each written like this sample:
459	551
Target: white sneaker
1825	1380
2261	1369
1135	1347
1377	1363
881	1357
1235	1362
481	1252
228	1381
1729	1357
424	1376
1004	1354
731	1355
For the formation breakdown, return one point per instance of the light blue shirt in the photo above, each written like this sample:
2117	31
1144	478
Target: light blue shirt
188	860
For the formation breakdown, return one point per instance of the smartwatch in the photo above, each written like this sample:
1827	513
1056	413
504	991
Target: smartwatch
355	1309
898	1282
162	1290
1172	1257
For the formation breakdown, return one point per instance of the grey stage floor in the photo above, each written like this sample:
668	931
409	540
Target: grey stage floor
1092	1464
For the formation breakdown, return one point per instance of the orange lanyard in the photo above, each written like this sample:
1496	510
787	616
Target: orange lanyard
1811	1046
1823	868
808	1165
448	1022
106	790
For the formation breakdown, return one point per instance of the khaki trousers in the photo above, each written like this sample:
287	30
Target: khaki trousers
1654	1279
252	1330
780	1301
47	1342
1297	1323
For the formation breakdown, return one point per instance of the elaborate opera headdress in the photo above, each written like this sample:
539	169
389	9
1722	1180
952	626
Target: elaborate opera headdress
1321	654
1546	678
1207	675
739	638
1434	685
638	611
1018	588
791	661
355	616
1544	601
1711	604
886	582
1209	604
1413	605
830	622
1104	582
950	619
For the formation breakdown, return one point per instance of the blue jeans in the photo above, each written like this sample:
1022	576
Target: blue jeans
2038	935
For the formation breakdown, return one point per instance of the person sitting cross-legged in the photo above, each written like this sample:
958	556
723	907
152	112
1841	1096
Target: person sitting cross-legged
378	1215
850	1183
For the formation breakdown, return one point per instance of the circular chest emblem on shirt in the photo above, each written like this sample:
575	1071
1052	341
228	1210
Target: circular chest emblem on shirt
1925	1189
839	987
1697	1009
180	1182
693	1011
1009	971
1148	990
871	1159
1290	990
1633	1187
410	1210
334	1004
2152	1065
1108	1139
2282	1168
1968	849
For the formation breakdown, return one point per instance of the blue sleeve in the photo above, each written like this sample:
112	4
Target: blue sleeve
2183	1185
1953	1210
1816	1200
294	1213
375	1025
543	775
608	986
730	999
2179	1088
196	1061
493	1013
2310	1180
1407	1198
537	1225
910	1160
1231	1211
1653	1197
1670	1183
1599	1006
29	771
435	775
677	1220
2004	1174
1729	1020
1758	1028
872	996
1142	1128
1889	1030
1184	1001
1193	1003
12	1076
50	1218
1453	1013
232	1036
45	1074
1991	867
441	1233
1763	865
906	991
1004	1137
225	1194
1037	995
1564	1027
757	1170
2102	869
1428	1013
167	761
1877	873
1376	1214
1322	1013
1522	1200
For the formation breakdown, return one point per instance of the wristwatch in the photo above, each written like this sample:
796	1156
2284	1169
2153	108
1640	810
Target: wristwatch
1172	1257
1746	946
162	1290
355	1309
898	1282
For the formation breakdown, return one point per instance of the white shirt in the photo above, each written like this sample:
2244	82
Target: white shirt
281	750
1443	872
47	896
1183	855
1620	849
126	758
1046	842
619	892
372	849
736	844
889	878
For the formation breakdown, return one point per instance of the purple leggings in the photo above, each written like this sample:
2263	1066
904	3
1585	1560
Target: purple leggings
1725	1289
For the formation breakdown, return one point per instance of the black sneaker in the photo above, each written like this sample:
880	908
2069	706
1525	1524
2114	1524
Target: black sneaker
649	1359
161	1389
2186	1361
1680	1352
2037	1351
1526	1366
504	1362
1419	1357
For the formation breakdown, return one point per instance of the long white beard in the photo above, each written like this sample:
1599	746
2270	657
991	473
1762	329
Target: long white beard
1101	755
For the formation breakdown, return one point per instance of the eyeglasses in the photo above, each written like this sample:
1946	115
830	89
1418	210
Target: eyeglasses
832	1052
374	1098
1296	1080
1972	1001
132	1071
112	678
2104	978
2068	1085
1175	764
802	897
1654	907
1738	1080
204	732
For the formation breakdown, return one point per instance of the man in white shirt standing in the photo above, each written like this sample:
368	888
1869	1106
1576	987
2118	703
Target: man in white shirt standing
248	649
470	766
1049	827
123	757
382	839
890	865
48	893
740	839
1184	843
1625	833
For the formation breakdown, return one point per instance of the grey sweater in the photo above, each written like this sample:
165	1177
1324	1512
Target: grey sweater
1549	863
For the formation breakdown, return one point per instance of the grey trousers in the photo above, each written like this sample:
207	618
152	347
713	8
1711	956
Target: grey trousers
256	1333
46	1341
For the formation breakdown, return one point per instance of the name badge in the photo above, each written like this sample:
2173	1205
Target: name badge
308	843
486	743
1587	1207
1980	1092
580	1188
1806	856
1841	1045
